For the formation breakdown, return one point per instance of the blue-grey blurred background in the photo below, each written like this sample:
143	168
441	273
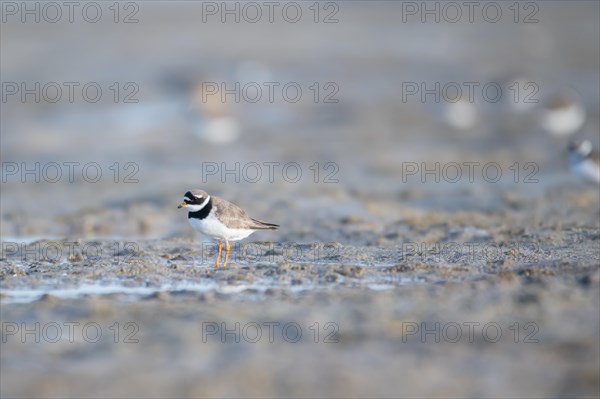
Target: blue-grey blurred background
162	120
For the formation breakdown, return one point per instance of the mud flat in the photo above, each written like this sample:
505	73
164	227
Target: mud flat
376	313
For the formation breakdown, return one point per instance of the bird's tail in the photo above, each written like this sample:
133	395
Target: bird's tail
260	225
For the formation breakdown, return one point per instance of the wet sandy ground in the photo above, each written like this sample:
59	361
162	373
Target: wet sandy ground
436	305
514	334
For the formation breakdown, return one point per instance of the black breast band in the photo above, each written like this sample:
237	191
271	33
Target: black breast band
202	213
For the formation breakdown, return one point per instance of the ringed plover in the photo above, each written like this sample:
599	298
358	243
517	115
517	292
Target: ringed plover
220	220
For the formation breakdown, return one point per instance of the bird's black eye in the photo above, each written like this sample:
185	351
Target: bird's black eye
193	200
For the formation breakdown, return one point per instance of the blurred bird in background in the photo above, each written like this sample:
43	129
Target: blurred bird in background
562	113
584	161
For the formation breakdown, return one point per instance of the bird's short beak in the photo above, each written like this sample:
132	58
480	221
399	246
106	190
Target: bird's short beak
182	205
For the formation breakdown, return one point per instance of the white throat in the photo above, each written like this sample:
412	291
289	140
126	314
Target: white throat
196	208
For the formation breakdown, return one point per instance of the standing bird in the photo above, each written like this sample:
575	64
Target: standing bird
220	220
562	114
584	161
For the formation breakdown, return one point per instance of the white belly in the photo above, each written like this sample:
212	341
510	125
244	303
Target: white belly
211	227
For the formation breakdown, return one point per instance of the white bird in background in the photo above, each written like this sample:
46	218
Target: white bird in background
562	114
584	161
460	115
212	103
212	120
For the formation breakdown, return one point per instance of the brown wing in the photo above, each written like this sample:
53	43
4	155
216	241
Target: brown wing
234	217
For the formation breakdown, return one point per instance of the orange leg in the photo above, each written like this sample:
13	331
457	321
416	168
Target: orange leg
226	253
218	255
